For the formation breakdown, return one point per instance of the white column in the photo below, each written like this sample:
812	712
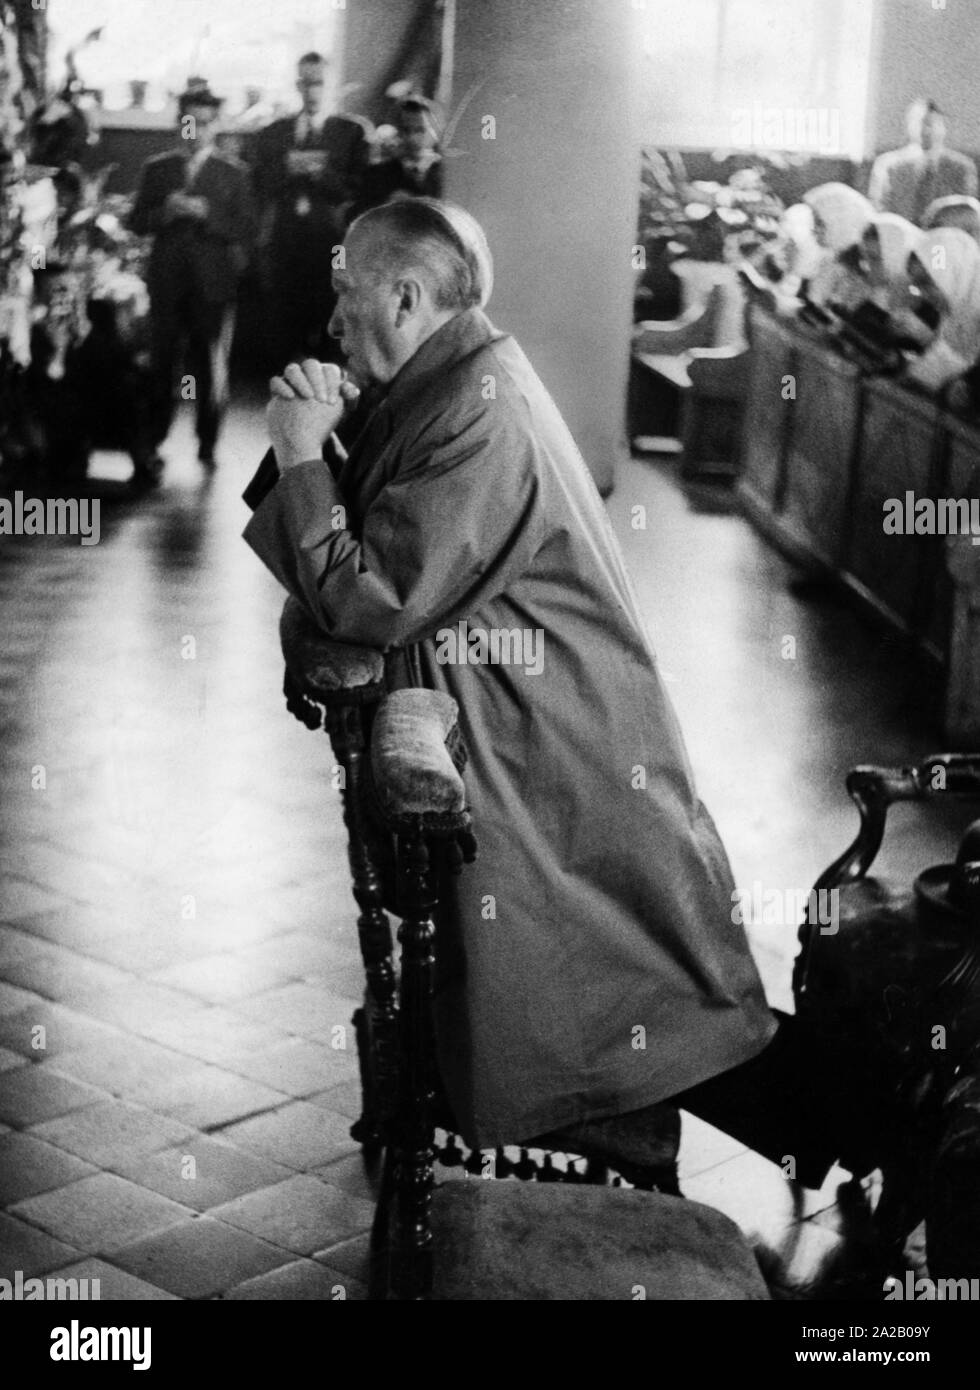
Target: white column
549	163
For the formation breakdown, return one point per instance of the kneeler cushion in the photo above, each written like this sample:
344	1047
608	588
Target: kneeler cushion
321	666
551	1241
412	743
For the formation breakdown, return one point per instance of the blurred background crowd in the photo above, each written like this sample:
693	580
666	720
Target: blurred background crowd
890	275
175	180
122	276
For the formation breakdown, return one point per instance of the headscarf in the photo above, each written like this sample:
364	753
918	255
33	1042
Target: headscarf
803	256
951	259
956	202
898	238
844	212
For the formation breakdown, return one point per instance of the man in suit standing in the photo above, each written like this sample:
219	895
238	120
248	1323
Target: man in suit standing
197	205
909	180
416	169
309	171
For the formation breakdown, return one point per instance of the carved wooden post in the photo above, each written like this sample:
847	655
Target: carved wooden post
413	1139
334	686
963	682
376	1026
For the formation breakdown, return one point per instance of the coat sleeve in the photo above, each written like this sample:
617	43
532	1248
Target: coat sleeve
342	179
460	522
232	215
147	215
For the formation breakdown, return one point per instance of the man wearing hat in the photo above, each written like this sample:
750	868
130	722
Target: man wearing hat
309	171
196	204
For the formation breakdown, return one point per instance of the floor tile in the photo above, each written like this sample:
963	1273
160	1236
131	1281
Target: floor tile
113	1127
100	1213
200	1258
25	1248
756	1195
202	1173
208	1097
346	1099
114	1285
55	972
126	1066
63	1030
214	1034
29	1166
299	1135
353	1176
32	1094
14	1000
303	1280
21	898
8	1059
302	1214
300	1066
219	978
306	1011
350	1257
703	1146
133	1006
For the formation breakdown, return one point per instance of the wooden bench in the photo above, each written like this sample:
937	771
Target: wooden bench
686	393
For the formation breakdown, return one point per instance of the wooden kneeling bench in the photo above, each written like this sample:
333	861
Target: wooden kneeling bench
405	809
682	384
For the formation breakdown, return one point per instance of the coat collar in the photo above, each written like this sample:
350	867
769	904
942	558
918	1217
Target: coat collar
463	335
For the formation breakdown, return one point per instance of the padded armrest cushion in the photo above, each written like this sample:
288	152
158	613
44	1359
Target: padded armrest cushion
320	666
414	738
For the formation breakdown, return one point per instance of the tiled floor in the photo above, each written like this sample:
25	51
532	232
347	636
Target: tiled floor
178	963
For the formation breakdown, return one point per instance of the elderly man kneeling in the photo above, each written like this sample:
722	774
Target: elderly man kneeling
609	974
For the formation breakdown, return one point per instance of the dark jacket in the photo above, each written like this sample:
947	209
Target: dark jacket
310	208
593	964
207	257
383	180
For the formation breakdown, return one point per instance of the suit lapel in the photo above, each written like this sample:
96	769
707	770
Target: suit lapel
206	178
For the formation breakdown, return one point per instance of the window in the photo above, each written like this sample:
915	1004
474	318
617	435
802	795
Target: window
235	44
757	74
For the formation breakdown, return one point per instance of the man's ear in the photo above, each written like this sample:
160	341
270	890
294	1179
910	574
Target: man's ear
409	298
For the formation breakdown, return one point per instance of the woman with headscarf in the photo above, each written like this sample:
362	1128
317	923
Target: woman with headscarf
956	211
886	245
944	269
841	215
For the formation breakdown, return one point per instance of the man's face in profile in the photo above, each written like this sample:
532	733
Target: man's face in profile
311	86
364	317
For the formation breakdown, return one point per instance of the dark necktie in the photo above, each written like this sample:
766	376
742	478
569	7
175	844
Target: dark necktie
926	193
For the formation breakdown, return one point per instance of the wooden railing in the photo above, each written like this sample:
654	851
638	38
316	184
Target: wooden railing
824	447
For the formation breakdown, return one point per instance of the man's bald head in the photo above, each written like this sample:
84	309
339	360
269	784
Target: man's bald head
436	241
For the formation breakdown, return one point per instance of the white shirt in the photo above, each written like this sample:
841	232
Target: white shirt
195	162
306	124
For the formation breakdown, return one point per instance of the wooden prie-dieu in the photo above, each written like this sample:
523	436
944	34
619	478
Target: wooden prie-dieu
893	974
571	1229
